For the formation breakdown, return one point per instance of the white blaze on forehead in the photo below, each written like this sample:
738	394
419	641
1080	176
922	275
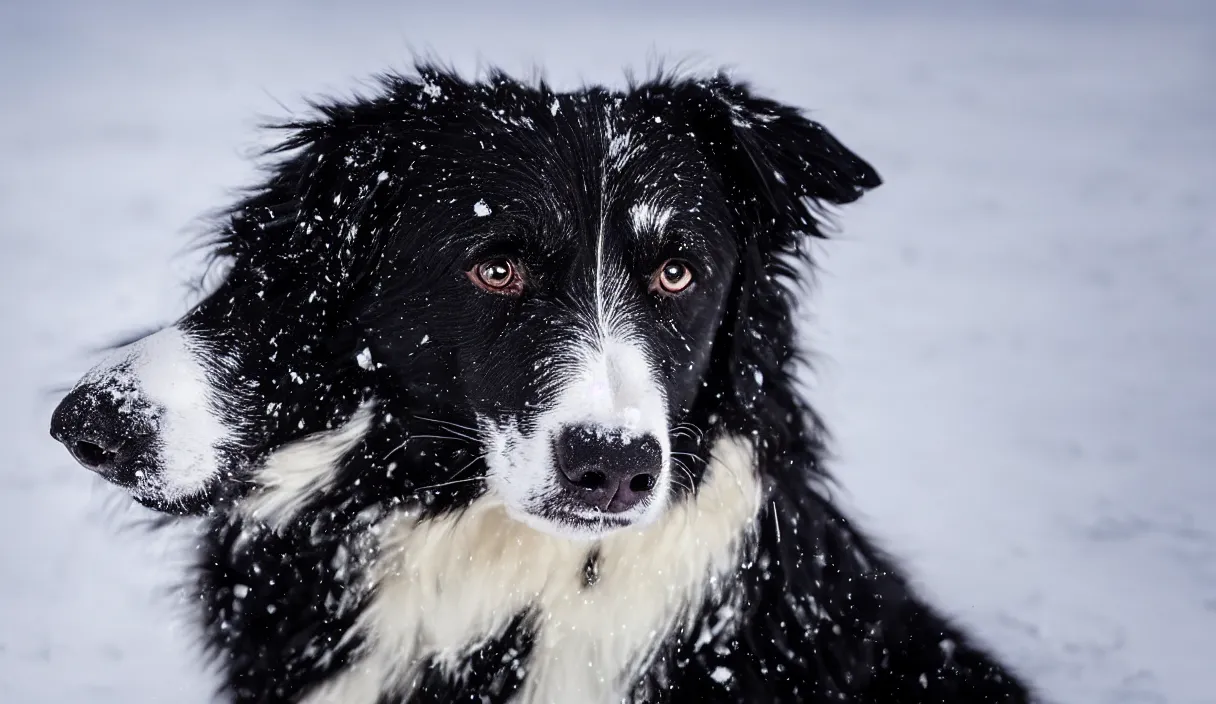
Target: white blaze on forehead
169	371
618	149
614	386
606	380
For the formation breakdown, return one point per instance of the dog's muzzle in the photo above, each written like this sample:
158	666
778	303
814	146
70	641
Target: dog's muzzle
145	419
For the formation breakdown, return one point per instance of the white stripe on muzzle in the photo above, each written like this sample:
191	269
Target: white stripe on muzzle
169	371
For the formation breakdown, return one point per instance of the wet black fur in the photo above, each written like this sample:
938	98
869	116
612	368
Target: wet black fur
816	614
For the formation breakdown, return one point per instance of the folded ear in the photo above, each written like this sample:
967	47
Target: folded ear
778	170
774	161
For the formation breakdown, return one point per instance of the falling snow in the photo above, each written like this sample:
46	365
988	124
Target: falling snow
949	381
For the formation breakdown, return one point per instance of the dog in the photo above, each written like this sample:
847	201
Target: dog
496	402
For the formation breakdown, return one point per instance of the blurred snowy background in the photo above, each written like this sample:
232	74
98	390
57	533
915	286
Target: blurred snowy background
1017	334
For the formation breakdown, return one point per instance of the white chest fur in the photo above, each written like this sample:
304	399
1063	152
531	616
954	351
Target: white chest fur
446	585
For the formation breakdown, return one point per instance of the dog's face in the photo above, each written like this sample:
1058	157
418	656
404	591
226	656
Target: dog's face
555	274
575	291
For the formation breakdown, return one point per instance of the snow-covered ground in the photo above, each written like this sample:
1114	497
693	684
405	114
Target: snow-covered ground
1016	334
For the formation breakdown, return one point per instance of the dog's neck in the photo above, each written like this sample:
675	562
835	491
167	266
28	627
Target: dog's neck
444	586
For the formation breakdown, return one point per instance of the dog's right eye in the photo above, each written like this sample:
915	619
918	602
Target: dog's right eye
672	279
497	276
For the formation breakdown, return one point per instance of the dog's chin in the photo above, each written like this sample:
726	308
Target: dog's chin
585	526
153	495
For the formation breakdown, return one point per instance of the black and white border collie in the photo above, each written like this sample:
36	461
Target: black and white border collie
496	402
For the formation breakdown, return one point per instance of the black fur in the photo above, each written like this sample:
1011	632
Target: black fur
350	244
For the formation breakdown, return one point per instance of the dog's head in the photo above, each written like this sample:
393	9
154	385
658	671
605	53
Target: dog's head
571	277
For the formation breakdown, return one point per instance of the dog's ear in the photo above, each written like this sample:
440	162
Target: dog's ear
778	167
778	171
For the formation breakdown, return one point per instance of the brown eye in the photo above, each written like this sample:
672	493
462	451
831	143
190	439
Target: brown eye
497	276
673	278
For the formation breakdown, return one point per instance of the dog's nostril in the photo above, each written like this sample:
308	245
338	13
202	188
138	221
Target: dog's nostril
641	483
591	480
91	454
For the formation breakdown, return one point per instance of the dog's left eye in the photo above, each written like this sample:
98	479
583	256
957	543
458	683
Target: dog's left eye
673	278
497	276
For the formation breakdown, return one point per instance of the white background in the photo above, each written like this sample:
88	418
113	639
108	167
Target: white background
1015	335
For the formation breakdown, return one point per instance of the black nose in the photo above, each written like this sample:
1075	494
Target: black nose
104	428
607	468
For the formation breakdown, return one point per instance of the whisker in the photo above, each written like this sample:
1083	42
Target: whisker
392	451
470	464
440	437
458	438
443	484
442	421
691	427
692	484
454	431
448	423
462	436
